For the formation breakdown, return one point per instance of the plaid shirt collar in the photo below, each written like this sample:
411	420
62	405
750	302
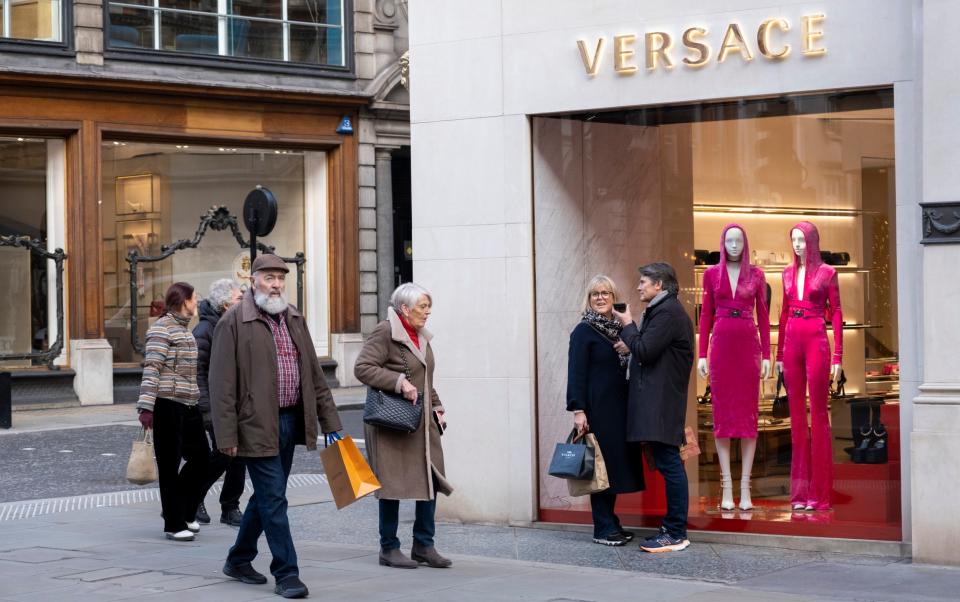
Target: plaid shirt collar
288	360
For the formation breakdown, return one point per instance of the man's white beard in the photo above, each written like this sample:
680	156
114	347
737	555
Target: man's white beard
270	304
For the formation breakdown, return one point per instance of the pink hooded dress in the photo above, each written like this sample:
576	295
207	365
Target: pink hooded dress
735	349
805	353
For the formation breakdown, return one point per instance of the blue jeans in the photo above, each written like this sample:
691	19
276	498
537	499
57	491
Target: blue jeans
669	464
605	520
423	526
267	509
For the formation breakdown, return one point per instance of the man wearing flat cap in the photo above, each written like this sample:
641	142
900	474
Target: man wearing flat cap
267	394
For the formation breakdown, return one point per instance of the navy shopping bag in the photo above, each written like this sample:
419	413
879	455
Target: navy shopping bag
573	459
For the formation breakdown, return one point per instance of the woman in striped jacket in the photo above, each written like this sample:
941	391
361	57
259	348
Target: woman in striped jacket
168	405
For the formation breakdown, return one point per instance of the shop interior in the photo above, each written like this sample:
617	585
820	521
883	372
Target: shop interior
618	189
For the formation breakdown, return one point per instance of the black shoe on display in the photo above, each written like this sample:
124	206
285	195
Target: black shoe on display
877	452
858	453
202	517
232	517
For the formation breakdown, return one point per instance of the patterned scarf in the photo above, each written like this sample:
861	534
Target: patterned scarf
608	327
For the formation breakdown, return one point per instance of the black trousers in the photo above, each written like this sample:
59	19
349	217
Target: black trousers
233	473
178	433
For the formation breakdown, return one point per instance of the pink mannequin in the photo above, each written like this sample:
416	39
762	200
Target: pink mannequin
726	322
811	294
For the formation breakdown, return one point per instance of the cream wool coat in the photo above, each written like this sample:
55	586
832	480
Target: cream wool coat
403	462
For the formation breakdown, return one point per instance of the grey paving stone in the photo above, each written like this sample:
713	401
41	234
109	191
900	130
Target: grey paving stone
37	555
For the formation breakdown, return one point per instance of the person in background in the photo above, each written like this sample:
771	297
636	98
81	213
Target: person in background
597	396
168	405
662	358
267	394
397	357
224	293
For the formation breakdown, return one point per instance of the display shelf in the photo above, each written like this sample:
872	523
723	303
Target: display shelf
768	210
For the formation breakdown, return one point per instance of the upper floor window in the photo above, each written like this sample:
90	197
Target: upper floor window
40	20
294	31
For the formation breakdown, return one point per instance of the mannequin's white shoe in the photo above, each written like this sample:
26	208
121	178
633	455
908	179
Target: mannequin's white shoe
745	502
726	494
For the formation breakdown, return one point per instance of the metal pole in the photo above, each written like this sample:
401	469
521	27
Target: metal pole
6	401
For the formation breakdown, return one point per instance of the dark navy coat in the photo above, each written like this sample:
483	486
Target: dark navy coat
597	385
660	364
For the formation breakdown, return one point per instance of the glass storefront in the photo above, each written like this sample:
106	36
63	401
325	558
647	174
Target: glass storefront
154	194
614	190
31	191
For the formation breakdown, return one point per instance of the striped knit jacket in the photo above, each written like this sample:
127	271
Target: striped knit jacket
170	364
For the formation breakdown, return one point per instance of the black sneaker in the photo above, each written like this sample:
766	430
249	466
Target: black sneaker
291	587
627	535
202	517
245	573
614	539
665	543
232	517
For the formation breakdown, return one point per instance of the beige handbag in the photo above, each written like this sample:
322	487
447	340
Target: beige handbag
599	482
142	469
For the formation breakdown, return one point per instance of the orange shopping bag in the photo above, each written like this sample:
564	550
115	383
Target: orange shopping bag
348	474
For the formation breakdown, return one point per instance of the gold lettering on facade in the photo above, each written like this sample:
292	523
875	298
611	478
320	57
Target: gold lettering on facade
763	39
690	37
622	52
812	33
658	43
733	40
592	65
773	36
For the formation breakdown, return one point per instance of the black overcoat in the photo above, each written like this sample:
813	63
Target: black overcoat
660	364
203	333
597	385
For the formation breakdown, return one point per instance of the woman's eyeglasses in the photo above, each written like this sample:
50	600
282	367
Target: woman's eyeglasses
601	295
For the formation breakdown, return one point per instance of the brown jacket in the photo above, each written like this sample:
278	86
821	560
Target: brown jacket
243	383
403	462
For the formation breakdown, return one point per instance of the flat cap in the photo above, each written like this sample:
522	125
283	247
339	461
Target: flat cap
268	261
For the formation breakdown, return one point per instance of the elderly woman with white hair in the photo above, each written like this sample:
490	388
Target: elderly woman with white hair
397	358
224	293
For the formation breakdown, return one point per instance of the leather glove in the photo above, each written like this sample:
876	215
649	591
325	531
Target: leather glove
146	419
207	420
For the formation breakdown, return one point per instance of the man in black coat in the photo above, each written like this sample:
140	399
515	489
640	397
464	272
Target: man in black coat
662	351
223	294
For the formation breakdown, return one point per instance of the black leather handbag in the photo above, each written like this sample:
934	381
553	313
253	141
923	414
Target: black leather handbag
573	459
781	404
390	410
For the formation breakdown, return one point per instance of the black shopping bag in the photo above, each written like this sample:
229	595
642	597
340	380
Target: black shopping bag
573	459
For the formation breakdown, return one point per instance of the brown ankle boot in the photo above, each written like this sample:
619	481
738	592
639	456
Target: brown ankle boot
396	559
430	556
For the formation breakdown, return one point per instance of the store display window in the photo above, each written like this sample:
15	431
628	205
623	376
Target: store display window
618	189
31	205
154	194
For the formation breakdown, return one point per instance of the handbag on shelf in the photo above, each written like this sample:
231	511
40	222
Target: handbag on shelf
781	404
573	459
600	481
390	410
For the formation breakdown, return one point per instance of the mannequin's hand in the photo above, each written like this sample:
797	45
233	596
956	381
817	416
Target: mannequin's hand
779	367
702	367
765	369
835	372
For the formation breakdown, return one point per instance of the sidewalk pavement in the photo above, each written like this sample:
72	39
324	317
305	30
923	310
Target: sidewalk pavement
110	547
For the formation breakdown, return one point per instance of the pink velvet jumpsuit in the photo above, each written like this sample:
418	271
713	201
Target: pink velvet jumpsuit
728	330
805	353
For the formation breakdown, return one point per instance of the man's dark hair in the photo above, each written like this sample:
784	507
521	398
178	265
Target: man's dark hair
177	295
663	273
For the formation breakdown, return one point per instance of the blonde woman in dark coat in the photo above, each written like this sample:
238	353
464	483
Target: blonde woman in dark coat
397	358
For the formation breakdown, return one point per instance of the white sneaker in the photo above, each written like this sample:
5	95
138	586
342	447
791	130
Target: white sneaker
184	535
193	527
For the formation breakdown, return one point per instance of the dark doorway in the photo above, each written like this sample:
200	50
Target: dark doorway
402	218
